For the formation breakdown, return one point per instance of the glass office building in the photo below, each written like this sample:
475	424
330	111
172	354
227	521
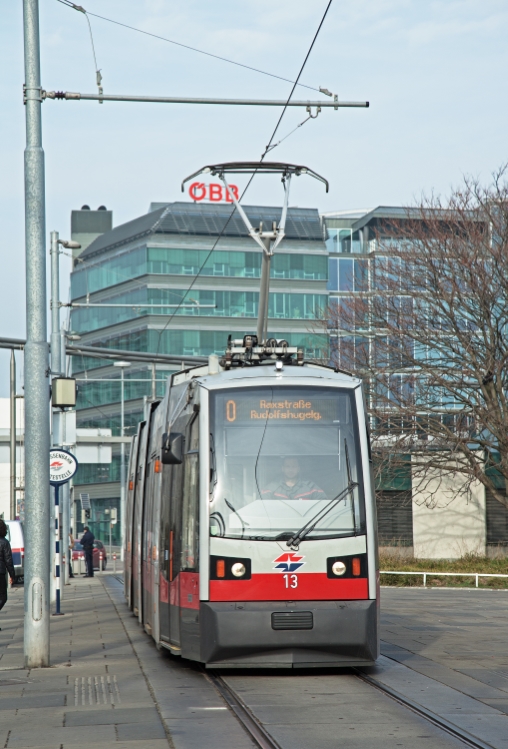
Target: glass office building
359	244
142	271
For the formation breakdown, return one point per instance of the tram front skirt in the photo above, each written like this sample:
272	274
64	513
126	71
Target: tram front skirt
289	634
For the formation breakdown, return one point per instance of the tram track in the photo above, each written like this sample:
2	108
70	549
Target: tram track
436	720
252	725
261	737
265	740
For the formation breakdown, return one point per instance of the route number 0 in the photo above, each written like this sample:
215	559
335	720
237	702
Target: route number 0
231	411
291	581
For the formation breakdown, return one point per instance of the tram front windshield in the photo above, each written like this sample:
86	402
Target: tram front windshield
282	459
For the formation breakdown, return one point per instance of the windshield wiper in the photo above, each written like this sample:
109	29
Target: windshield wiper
237	514
348	468
309	526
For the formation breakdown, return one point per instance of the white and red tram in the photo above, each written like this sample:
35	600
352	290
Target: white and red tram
251	536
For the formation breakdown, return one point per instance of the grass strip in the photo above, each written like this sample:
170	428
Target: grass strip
468	563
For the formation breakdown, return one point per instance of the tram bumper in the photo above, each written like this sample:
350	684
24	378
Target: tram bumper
301	634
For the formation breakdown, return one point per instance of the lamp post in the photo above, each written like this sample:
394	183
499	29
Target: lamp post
57	364
58	367
122	365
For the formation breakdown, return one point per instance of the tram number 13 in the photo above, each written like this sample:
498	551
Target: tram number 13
291	581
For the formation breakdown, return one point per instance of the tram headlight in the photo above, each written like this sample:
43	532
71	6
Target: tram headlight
238	569
230	568
338	568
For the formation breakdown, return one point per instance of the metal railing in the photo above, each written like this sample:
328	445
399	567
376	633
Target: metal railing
476	575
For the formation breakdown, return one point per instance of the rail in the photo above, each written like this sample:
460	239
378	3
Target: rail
476	575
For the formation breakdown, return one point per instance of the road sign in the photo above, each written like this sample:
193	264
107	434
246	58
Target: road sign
62	466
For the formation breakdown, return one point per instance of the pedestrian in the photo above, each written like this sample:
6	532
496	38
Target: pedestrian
71	546
87	543
6	564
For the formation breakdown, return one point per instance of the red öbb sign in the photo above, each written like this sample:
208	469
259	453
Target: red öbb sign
214	192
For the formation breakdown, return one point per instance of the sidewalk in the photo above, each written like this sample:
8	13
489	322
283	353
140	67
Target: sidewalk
108	687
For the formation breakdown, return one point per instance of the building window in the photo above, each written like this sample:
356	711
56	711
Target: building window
497	520
395	518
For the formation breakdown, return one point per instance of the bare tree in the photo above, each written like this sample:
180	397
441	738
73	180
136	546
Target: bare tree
430	336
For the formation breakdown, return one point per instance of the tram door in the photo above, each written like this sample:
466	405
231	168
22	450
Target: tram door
148	545
189	571
164	545
173	541
129	520
174	552
137	514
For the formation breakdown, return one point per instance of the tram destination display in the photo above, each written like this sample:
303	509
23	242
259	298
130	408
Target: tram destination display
243	409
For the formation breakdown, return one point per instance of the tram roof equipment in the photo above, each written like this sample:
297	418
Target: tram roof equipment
267	240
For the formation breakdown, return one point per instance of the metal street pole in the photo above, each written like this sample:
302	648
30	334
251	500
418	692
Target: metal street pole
58	417
37	494
122	365
58	555
56	366
13	438
66	489
66	522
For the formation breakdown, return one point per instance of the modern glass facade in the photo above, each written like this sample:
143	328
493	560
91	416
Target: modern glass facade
199	303
169	261
154	260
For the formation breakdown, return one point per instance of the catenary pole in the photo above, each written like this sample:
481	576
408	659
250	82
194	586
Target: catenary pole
66	488
56	423
37	507
122	365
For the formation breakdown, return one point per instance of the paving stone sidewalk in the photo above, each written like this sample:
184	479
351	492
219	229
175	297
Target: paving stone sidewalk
108	687
457	637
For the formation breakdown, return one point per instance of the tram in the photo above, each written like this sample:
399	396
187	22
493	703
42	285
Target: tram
251	534
251	522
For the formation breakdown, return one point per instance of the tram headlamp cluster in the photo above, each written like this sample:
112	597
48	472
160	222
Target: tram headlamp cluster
229	568
354	565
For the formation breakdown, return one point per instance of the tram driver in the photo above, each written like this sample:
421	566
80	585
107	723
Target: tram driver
291	486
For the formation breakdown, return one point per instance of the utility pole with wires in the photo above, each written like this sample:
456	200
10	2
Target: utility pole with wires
284	104
37	497
37	370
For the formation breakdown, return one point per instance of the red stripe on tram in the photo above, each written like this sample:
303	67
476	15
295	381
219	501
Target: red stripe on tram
276	586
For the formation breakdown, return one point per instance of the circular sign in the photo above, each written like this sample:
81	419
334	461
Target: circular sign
62	466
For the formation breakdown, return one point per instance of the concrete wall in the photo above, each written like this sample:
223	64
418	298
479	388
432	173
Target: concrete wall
449	519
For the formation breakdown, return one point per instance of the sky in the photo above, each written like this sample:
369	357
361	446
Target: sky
432	72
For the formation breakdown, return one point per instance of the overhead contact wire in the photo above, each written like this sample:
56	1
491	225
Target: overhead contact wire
295	84
184	46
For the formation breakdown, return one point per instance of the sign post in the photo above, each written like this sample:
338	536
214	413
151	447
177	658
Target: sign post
62	467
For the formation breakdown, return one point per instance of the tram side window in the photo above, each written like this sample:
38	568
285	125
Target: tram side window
191	504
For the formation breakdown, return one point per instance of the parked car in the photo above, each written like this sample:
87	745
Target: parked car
17	541
78	554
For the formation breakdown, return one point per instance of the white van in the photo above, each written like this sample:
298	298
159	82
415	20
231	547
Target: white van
17	541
